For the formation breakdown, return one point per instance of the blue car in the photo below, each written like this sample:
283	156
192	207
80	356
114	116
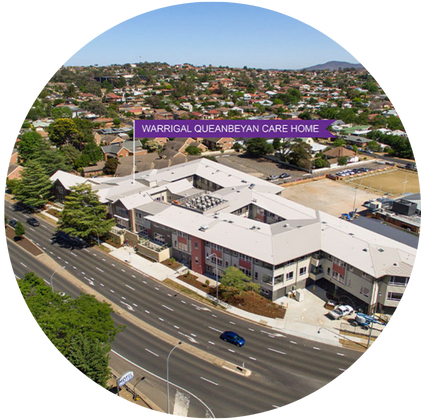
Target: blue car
232	338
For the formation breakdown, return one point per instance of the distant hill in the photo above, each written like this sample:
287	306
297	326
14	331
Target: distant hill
335	65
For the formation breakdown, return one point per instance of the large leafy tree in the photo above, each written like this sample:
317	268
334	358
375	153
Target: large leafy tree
30	146
82	329
63	131
34	188
258	147
233	282
83	215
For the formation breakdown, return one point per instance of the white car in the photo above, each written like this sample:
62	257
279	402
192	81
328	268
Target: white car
340	311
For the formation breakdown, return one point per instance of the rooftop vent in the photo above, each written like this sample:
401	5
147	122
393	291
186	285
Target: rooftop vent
204	227
365	249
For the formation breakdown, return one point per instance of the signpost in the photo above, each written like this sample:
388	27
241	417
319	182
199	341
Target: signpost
126	377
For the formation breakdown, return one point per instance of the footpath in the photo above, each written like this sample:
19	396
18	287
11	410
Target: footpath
307	318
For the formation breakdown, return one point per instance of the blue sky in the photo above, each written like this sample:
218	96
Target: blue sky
225	34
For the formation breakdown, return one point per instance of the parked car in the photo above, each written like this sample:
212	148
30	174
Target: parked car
341	311
272	177
232	338
284	175
13	223
32	221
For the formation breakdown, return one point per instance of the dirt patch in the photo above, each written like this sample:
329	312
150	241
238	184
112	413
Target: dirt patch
171	263
23	242
248	301
330	196
395	182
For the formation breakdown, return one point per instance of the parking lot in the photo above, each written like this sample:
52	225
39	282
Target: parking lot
264	168
261	167
333	197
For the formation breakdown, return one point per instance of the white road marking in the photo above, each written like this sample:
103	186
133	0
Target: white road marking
340	354
252	358
24	265
316	348
276	351
177	327
231	350
233	323
208	380
211	342
73	254
215	329
130	287
147	311
99	269
112	291
151	352
293	342
161	319
250	329
166	307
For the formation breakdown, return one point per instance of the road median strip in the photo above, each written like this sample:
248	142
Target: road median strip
209	358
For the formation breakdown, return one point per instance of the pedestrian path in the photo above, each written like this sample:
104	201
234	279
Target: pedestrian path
307	318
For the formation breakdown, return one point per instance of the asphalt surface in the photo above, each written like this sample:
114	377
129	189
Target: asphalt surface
285	368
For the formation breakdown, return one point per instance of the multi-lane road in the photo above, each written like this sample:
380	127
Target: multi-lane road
284	368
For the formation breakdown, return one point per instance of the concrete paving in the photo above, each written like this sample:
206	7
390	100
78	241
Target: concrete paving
307	318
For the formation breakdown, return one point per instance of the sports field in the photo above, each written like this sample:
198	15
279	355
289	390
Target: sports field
393	183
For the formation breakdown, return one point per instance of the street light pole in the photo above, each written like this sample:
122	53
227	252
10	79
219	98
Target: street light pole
168	375
216	274
51	278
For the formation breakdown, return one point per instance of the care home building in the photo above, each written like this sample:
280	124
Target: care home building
210	217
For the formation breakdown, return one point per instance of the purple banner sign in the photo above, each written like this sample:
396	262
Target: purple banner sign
232	128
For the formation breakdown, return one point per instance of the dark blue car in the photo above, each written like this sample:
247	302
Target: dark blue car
232	338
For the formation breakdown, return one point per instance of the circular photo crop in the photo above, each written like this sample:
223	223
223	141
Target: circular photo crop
212	210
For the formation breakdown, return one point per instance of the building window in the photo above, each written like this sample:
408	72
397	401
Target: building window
303	270
279	279
398	281
196	245
338	277
394	296
290	275
159	238
364	291
196	260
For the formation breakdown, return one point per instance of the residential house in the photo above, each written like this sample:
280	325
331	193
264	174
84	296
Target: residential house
112	98
334	154
14	171
222	143
14	157
123	149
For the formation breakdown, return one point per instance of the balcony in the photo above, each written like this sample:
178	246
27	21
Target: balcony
316	272
153	250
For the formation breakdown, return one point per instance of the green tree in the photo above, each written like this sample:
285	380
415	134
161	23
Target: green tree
233	282
31	145
342	160
90	357
3	219
34	188
91	155
19	230
193	150
300	154
83	215
82	329
63	131
61	112
111	166
258	147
